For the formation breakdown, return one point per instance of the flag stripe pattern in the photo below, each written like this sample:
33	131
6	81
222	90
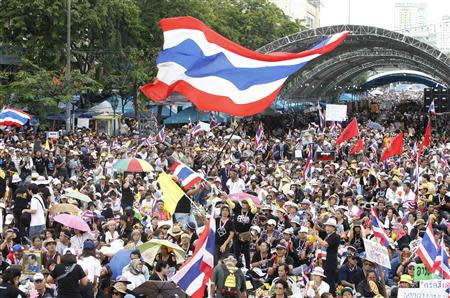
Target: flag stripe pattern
13	117
259	136
307	170
197	270
441	265
428	248
185	175
378	230
432	108
161	137
219	75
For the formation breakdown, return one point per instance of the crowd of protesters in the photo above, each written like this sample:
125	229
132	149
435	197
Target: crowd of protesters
301	237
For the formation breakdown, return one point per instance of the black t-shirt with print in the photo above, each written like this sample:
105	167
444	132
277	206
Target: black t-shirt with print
68	287
243	221
223	230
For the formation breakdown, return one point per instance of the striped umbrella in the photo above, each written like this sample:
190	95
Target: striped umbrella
133	165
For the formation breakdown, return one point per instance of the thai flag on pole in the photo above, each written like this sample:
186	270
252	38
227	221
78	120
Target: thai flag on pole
196	271
333	127
149	141
161	137
201	126
374	148
350	181
218	75
305	278
441	265
428	248
307	171
259	136
212	120
432	108
414	150
185	175
378	230
443	161
321	116
322	253
13	117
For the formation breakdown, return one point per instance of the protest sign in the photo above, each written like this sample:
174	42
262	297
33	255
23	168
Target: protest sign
377	253
52	134
435	284
336	112
421	293
83	123
421	273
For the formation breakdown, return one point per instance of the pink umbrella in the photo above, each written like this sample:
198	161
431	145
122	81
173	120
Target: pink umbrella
72	221
240	196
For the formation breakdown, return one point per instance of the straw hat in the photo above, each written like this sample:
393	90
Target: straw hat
331	222
318	271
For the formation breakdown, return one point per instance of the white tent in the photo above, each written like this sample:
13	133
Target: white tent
103	108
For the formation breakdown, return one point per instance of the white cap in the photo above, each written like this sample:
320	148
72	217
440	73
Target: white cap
271	222
304	229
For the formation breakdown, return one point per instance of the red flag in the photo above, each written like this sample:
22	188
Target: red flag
349	132
427	136
358	147
396	147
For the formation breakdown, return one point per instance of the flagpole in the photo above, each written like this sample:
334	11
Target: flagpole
222	150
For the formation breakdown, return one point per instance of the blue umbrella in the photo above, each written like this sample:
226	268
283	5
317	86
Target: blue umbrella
375	125
121	259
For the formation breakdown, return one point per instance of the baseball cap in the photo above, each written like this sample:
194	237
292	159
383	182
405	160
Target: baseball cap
89	244
69	251
271	222
17	248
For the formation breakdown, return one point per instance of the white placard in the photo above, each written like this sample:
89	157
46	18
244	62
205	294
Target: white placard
421	293
83	122
377	253
336	112
435	284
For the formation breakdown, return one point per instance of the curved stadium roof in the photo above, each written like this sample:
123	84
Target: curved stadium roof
365	49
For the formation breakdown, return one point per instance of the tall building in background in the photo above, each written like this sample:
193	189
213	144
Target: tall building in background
410	18
308	11
443	41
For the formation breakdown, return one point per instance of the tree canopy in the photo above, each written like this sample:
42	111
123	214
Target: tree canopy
114	42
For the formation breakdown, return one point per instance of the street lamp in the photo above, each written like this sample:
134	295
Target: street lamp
114	104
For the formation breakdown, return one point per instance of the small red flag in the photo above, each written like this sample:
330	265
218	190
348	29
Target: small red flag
396	147
426	138
349	132
359	146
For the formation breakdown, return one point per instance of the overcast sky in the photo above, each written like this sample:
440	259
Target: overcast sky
377	13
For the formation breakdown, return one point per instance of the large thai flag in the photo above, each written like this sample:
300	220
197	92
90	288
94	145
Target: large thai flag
441	265
428	249
185	175
378	230
217	74
195	273
161	137
13	117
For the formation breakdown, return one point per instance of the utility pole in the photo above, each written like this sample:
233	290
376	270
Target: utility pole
349	11
68	66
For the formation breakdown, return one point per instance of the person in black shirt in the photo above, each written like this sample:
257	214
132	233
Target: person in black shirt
331	242
127	194
39	163
224	233
69	276
21	201
10	284
160	272
243	217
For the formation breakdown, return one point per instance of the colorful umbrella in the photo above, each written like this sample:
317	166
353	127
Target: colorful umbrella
78	196
240	196
150	249
133	165
64	208
72	221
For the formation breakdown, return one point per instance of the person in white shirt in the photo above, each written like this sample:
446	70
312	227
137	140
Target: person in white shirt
135	274
37	211
407	195
235	184
316	287
91	266
391	192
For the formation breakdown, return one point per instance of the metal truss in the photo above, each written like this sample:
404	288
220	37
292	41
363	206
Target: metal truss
367	47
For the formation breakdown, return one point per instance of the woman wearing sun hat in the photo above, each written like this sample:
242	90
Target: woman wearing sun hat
317	286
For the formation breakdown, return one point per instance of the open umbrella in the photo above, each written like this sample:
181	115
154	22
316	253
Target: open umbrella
119	260
64	208
159	289
135	165
72	221
78	196
151	248
240	196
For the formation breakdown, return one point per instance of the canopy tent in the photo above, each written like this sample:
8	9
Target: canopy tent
104	107
194	115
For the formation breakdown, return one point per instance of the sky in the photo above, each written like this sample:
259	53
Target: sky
378	13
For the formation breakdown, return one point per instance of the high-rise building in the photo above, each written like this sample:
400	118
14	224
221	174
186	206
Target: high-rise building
443	39
409	14
307	11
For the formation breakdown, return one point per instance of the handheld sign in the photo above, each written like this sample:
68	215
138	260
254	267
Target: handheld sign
419	293
435	284
52	134
336	112
421	273
377	253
